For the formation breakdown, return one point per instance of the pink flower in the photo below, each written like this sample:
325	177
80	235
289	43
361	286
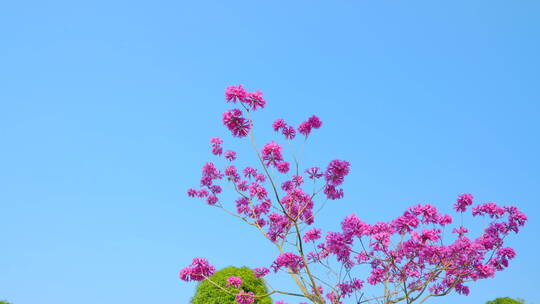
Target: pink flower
490	209
312	123
315	122
256	190
234	94
304	128
461	230
192	192
283	167
216	189
287	186
347	288
212	200
260	178
197	271
352	226
288	132
462	202
249	172
234	281
333	297
245	297
336	172
202	193
298	205
339	245
260	272
271	154
232	174
289	260
507	253
230	155
243	185
279	124
445	220
484	271
332	192
427	235
255	100
242	206
297	180
216	145
462	289
216	141
312	235
210	173
238	125
314	172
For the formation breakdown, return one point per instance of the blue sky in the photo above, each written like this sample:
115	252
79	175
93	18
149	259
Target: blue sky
107	107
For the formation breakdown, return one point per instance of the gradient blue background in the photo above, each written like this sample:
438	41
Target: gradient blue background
106	108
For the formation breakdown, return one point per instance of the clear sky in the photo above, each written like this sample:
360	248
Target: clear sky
106	109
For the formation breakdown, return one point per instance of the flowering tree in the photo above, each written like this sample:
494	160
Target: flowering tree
405	258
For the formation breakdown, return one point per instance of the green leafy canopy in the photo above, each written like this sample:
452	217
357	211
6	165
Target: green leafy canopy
505	301
207	293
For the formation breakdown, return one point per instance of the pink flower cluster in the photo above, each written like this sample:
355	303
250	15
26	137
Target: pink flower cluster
197	271
422	258
209	190
312	235
335	175
252	100
288	260
272	157
312	123
288	131
217	149
304	128
463	201
234	281
245	297
298	205
236	123
260	272
216	145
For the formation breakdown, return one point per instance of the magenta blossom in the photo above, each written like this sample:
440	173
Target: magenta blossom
288	260
312	123
235	94
197	271
312	235
314	172
283	167
234	281
462	202
279	124
238	125
289	132
336	172
260	272
245	297
230	155
255	100
271	154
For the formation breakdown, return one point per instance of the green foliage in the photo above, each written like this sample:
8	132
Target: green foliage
207	293
505	301
4	302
